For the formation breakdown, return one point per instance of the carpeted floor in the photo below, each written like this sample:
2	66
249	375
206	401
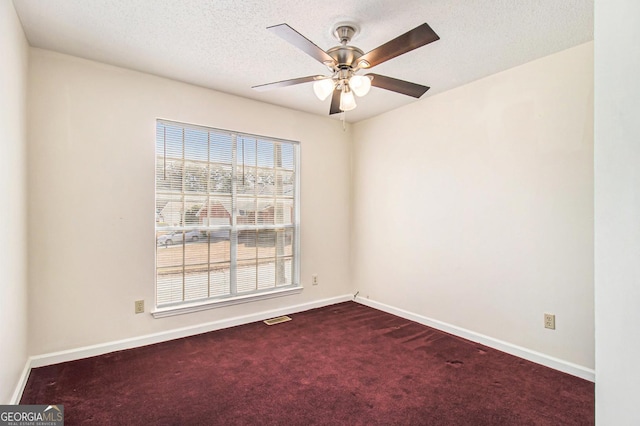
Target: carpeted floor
345	364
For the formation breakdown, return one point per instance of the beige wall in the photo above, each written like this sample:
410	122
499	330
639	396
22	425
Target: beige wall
91	197
617	212
475	207
13	192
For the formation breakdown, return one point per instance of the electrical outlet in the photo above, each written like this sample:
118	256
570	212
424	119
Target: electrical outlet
314	279
139	306
550	321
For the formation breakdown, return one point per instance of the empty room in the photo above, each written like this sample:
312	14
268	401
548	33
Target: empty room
339	212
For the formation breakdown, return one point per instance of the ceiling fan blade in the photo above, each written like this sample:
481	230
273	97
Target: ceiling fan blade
417	37
400	86
287	33
335	102
285	83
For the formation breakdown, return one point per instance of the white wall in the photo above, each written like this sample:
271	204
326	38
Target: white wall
91	197
617	211
475	207
13	187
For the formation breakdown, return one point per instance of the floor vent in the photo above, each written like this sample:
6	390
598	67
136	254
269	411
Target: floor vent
277	320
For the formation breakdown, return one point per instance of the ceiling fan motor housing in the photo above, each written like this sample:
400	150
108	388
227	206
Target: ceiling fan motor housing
345	56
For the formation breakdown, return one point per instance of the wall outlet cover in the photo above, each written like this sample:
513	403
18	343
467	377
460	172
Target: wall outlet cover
550	321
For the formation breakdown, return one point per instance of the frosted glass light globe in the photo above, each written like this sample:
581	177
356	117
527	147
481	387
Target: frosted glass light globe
323	88
360	85
347	100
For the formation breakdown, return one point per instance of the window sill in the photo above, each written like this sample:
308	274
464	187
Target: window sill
212	304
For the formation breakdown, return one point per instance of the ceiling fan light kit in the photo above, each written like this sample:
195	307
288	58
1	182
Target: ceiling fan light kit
345	61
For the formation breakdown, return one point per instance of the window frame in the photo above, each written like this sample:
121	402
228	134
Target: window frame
187	306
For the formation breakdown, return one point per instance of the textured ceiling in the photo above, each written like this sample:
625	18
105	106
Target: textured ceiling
224	44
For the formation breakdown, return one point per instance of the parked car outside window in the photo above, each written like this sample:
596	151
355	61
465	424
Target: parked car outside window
175	237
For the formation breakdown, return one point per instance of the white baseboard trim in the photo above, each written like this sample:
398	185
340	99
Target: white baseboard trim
22	382
134	342
519	351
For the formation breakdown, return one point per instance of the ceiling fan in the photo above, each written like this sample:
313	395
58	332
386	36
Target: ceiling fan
345	61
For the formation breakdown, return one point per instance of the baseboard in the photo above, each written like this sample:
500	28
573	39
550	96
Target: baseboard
134	342
22	382
519	351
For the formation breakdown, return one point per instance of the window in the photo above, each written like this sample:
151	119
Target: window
226	217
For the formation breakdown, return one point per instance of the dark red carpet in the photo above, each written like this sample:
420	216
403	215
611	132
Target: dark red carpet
345	364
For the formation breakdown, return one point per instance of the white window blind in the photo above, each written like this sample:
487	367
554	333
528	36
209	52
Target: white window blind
226	214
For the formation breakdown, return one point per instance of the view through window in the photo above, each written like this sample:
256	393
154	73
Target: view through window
226	214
